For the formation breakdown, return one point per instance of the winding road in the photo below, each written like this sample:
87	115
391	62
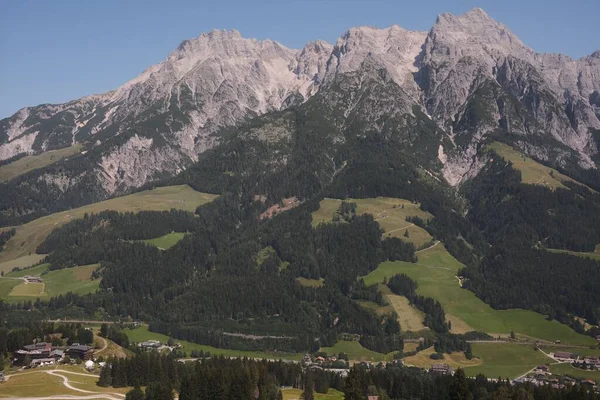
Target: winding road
86	394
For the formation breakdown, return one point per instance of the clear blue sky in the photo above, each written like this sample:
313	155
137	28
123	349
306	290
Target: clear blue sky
55	51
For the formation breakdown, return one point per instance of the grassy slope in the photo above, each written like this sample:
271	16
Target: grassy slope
435	274
505	360
38	383
392	220
167	241
76	280
29	163
314	283
30	235
568	369
355	351
21	262
532	172
595	255
142	334
294	394
409	317
455	360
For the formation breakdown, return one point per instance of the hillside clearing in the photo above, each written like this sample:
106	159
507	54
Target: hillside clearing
409	317
532	172
29	163
455	360
30	235
435	273
167	241
355	351
77	280
142	334
595	255
314	283
389	212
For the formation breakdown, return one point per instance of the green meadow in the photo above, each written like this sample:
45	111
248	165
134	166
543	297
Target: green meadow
505	360
167	241
142	334
30	235
435	272
29	163
389	212
77	280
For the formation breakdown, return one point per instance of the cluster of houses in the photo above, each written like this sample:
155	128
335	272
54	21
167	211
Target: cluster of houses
583	362
43	353
158	346
541	376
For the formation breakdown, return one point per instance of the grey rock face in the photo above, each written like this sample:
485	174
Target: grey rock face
469	74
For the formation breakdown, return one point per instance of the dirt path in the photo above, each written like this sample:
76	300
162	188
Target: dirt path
430	247
104	345
399	229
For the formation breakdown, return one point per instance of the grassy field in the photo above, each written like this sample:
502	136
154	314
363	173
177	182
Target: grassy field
595	255
505	360
142	334
30	235
167	241
582	351
29	163
568	369
409	317
77	280
455	360
294	394
21	262
355	351
532	172
435	273
390	213
314	283
38	383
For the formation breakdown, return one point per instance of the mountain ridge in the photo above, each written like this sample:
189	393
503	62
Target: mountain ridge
158	123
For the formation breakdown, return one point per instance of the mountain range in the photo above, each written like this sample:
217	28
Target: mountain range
469	78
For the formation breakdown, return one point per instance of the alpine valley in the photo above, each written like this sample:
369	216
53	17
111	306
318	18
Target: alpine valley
439	187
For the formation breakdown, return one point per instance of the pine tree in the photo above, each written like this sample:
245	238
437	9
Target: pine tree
353	389
135	394
459	388
105	379
308	393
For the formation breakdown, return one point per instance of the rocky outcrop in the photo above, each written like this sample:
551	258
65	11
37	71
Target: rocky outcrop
469	75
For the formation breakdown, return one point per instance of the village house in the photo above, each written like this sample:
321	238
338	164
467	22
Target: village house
81	351
542	368
441	369
41	362
32	279
150	345
565	357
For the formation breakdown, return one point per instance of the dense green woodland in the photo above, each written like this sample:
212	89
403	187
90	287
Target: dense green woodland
519	221
242	379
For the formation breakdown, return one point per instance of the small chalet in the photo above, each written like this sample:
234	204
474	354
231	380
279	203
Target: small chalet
542	368
150	344
441	369
562	356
